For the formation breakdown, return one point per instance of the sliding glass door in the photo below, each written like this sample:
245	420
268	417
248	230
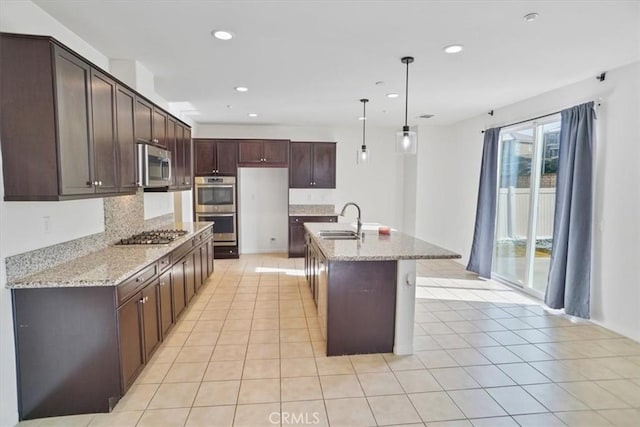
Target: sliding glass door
526	198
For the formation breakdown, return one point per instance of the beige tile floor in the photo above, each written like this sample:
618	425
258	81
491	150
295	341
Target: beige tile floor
249	352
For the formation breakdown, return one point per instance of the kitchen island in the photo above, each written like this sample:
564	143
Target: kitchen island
364	288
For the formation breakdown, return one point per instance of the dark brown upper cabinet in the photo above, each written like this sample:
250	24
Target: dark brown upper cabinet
151	123
103	121
159	129
144	120
180	155
215	157
312	165
68	128
263	152
125	131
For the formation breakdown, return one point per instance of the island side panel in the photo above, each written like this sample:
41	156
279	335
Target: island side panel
405	306
361	303
66	350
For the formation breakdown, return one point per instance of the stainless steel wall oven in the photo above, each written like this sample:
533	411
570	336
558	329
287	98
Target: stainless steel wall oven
215	200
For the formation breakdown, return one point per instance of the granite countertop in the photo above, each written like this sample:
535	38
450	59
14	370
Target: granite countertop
108	266
374	247
312	210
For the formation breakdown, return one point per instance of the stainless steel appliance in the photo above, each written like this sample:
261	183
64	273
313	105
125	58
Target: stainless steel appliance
153	237
215	200
215	194
154	166
224	227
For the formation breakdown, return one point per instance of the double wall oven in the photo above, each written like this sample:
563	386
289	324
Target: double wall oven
215	200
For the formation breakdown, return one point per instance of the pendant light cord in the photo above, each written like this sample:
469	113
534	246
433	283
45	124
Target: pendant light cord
364	121
406	96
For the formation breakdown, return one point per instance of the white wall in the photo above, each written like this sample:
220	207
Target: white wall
449	168
263	210
376	187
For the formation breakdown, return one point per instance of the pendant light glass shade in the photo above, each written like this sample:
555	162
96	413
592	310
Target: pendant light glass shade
364	154
406	139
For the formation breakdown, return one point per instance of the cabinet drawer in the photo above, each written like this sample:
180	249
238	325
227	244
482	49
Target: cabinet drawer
182	250
207	233
164	263
136	282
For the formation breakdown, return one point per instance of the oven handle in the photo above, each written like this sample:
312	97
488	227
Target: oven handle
198	215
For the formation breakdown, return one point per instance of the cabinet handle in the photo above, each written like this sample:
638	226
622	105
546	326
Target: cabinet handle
141	301
155	140
162	283
100	183
89	183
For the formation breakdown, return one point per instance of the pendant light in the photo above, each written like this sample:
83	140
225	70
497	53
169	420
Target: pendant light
406	140
363	153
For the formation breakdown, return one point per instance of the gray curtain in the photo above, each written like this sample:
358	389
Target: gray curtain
484	231
570	271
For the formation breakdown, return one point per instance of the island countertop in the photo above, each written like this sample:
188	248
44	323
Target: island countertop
373	246
108	266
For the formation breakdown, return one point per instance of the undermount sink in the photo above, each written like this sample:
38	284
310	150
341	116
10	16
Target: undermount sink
338	235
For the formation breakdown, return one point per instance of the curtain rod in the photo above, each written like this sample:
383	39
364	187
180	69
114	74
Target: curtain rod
535	118
529	120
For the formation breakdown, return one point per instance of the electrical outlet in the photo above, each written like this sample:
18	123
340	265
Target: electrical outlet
46	224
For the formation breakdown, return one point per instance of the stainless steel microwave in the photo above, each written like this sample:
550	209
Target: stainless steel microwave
154	166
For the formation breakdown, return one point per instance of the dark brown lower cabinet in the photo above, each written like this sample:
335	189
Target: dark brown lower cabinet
151	318
178	289
78	350
296	232
132	354
166	303
189	276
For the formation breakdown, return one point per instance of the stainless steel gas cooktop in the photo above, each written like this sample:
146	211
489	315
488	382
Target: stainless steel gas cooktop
154	237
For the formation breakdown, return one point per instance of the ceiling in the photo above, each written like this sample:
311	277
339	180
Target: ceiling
307	63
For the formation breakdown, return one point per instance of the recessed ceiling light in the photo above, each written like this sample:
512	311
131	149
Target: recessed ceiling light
530	17
453	48
252	115
241	88
222	35
392	95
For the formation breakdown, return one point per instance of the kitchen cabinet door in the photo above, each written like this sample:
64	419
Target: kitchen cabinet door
131	348
179	166
151	319
197	268
103	119
172	148
210	257
276	153
189	276
204	155
188	171
159	129
313	165
125	135
226	156
166	303
178	289
301	165
324	165
250	153
74	132
144	120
